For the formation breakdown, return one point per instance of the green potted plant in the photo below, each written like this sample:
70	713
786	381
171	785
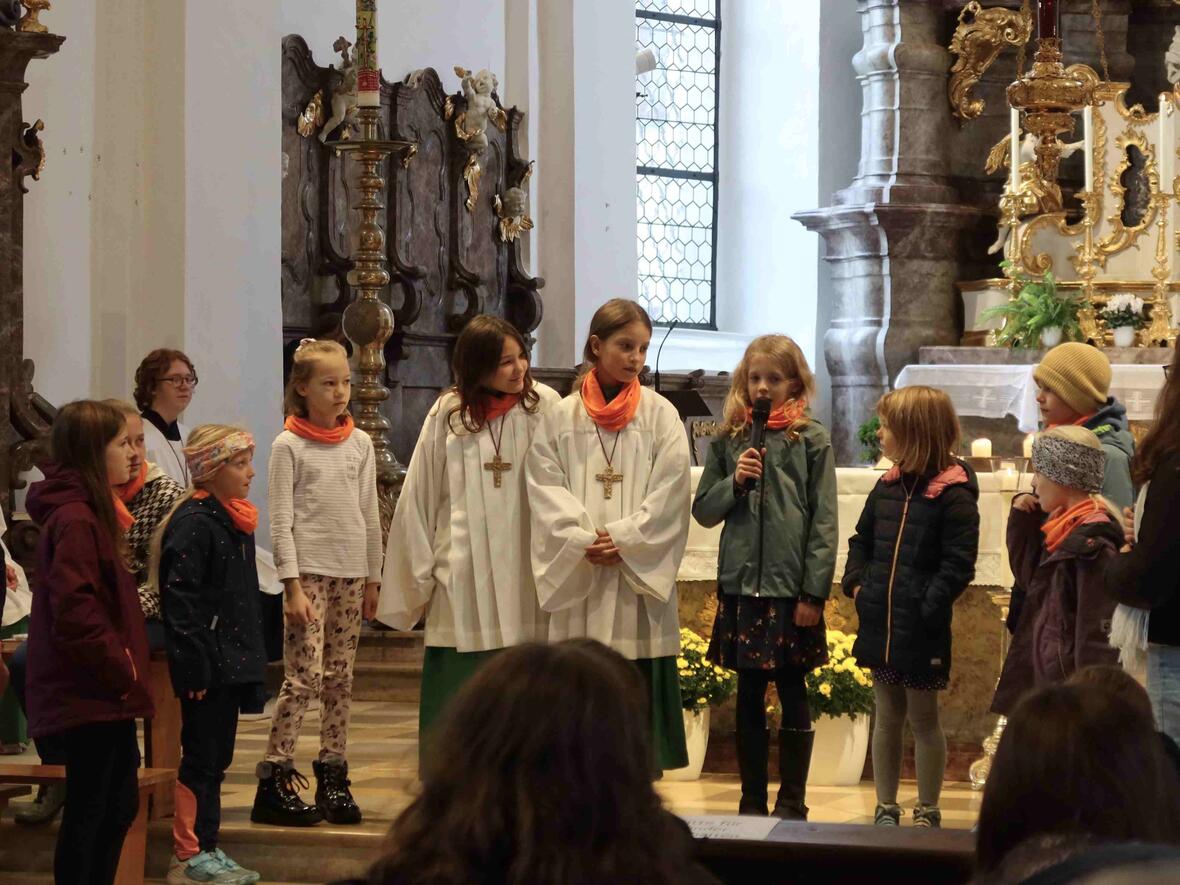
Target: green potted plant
702	685
840	698
1039	316
1125	314
866	435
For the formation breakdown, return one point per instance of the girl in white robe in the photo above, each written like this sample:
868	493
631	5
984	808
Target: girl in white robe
608	478
458	547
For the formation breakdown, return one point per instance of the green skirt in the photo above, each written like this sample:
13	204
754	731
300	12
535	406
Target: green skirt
667	711
444	672
12	720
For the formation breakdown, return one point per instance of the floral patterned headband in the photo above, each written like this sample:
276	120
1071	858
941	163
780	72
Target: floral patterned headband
204	462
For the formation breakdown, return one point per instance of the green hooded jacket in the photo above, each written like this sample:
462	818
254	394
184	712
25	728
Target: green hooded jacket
779	540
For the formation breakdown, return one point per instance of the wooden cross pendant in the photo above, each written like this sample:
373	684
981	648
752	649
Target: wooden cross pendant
608	478
498	468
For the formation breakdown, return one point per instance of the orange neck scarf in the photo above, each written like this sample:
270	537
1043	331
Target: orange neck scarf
242	512
782	417
130	489
123	517
616	414
304	428
1079	422
1059	527
495	406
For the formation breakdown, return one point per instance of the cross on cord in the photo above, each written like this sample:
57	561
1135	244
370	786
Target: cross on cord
498	468
608	478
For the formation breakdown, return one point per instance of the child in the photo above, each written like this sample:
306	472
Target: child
458	547
1074	382
204	565
326	534
1059	539
777	558
912	556
607	478
87	645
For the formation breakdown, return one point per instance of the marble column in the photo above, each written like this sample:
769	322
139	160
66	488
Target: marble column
892	236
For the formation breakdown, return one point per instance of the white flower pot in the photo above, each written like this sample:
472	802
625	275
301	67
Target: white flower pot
1051	336
838	759
696	733
1124	336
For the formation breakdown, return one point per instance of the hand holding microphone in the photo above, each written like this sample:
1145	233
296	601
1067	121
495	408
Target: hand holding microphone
749	469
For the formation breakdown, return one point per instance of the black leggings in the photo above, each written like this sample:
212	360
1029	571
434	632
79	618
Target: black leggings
792	694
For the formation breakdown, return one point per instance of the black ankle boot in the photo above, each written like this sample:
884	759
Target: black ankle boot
794	761
277	800
753	754
332	796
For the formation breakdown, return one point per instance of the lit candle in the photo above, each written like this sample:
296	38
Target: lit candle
1008	478
1048	19
1166	150
1014	150
1088	126
368	77
981	448
1028	444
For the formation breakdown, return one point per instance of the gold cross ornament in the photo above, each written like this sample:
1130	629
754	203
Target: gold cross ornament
608	478
498	468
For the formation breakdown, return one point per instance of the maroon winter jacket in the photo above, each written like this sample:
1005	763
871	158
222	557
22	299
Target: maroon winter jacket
88	650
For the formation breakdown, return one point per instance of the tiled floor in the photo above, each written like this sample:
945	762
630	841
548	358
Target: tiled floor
383	752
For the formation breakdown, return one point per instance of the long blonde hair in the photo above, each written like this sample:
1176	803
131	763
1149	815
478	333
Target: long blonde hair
789	359
302	368
200	436
924	427
1071	433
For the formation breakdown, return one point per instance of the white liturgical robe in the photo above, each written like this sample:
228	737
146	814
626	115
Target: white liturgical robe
631	606
459	544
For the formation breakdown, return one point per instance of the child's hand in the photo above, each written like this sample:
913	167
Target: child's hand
1128	526
807	613
855	591
296	606
1025	503
372	594
749	466
603	551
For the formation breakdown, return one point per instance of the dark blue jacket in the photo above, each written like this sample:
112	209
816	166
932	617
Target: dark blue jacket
209	599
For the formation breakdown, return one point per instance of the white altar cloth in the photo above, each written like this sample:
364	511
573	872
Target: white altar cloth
993	391
853	485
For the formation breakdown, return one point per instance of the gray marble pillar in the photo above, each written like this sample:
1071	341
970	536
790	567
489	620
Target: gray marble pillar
892	236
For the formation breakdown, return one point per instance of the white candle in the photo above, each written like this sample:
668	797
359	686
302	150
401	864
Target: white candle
1008	479
1088	142
1014	150
1166	150
981	448
1028	444
368	73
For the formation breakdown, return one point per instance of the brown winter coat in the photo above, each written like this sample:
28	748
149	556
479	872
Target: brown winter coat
1064	622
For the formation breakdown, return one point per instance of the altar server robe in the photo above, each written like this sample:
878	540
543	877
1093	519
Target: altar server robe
631	606
458	546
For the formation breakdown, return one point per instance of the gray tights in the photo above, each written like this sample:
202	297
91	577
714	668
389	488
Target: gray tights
894	704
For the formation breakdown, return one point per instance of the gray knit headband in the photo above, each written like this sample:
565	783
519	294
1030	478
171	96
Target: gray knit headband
1070	464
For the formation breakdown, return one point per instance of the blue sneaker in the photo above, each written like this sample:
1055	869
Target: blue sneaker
246	877
203	867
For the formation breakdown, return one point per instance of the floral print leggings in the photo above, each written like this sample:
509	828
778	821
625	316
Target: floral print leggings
317	662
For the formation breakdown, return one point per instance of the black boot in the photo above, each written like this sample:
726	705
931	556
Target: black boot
48	805
753	754
794	761
332	796
277	800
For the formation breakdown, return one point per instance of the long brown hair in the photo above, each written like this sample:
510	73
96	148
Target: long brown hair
1163	437
540	771
1077	760
924	426
152	369
303	368
477	355
615	315
789	359
81	432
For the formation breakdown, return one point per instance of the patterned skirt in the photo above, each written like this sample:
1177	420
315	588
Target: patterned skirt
759	633
912	681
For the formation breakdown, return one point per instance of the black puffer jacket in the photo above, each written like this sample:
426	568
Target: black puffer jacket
912	556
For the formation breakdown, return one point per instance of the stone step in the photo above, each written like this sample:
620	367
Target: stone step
390	646
387	681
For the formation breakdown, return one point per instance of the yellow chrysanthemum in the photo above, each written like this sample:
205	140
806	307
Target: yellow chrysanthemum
825	689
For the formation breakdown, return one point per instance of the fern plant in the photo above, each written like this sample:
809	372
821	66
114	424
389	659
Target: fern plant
1039	306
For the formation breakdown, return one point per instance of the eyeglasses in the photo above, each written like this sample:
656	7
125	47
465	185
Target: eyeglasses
181	380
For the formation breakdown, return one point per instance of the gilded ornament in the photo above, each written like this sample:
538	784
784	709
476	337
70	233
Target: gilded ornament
1122	237
976	43
513	214
471	174
30	159
410	153
312	117
29	22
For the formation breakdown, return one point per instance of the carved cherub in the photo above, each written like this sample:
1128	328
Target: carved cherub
29	23
1035	195
344	96
513	214
472	124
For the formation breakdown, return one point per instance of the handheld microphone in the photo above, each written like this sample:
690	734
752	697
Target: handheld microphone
758	432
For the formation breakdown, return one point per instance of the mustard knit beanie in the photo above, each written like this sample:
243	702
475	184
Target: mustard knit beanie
1078	373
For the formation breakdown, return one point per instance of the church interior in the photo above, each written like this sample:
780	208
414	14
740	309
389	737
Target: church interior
973	202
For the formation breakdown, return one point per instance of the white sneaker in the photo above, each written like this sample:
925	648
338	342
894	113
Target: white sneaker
206	867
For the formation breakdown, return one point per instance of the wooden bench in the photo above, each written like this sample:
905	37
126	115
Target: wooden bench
131	861
836	853
10	792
